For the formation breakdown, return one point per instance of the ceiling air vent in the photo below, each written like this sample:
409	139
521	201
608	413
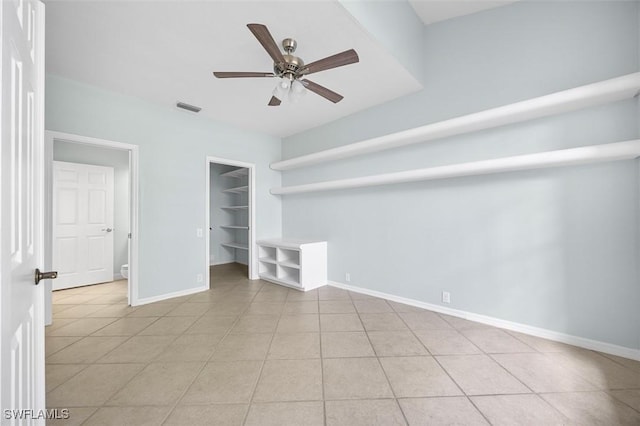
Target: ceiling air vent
188	107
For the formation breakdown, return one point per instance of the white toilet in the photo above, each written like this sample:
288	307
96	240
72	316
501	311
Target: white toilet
124	271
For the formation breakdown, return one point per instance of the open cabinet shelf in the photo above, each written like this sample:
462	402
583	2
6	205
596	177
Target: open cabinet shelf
299	264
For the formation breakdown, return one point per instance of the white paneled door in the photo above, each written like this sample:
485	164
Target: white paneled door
82	224
21	230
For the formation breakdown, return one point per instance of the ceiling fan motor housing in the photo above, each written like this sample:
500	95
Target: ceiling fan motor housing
292	64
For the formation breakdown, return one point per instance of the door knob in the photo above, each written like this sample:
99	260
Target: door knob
107	229
45	275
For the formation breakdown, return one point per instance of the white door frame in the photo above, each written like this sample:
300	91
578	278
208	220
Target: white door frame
50	137
253	267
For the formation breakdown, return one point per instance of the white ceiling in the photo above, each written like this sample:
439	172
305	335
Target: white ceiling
165	51
431	11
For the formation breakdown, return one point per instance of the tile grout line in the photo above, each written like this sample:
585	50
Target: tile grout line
324	400
173	406
464	394
488	355
508	372
87	365
129	337
483	352
384	372
95	362
469	397
264	361
186	389
146	364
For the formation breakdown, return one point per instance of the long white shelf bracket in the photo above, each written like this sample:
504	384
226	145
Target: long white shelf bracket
565	157
616	89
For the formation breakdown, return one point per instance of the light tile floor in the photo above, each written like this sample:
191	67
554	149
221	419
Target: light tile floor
255	353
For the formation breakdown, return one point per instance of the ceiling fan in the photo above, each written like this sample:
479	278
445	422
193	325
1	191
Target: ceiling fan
291	70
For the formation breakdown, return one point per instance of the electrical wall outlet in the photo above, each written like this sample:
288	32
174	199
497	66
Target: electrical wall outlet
446	297
347	277
199	278
199	232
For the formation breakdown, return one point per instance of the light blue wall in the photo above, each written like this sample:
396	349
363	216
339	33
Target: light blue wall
395	25
556	249
119	160
173	147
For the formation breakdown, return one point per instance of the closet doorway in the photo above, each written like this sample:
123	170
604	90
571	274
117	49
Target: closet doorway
230	215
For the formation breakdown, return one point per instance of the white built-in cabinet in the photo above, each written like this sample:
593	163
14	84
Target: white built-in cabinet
298	264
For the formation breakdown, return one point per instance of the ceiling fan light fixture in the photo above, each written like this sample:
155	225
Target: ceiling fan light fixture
280	90
285	84
298	88
297	91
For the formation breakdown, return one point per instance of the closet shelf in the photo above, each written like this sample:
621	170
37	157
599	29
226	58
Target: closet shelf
565	157
237	190
590	95
238	173
234	227
234	207
236	246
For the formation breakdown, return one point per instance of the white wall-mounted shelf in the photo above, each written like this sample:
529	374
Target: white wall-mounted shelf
590	95
299	264
237	189
564	157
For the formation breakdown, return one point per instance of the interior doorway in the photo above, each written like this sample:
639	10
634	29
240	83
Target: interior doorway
230	216
72	154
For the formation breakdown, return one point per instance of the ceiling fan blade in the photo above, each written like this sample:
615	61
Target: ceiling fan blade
266	40
322	91
243	74
274	101
340	59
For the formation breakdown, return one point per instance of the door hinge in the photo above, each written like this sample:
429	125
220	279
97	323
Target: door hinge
129	235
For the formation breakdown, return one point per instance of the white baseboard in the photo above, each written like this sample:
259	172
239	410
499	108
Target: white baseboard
180	293
556	336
